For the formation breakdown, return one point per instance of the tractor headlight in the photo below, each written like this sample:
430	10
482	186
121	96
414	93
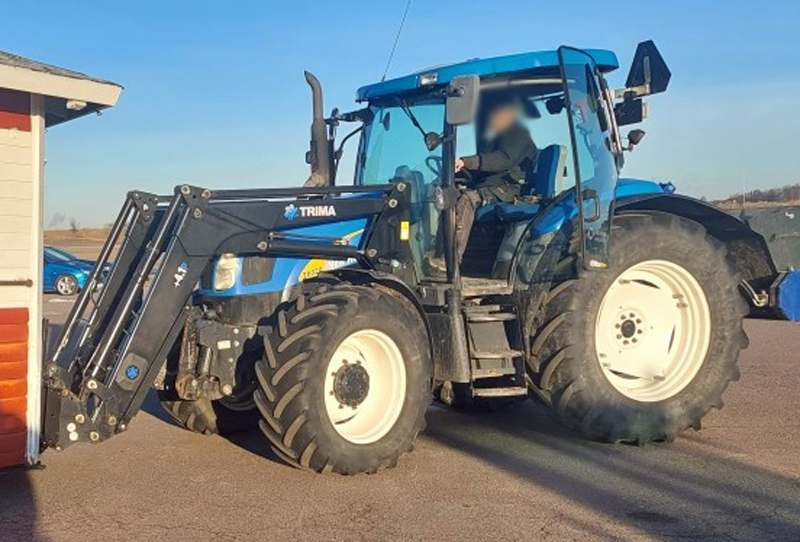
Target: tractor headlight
225	274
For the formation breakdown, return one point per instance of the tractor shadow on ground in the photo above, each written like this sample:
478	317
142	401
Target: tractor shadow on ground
252	441
688	489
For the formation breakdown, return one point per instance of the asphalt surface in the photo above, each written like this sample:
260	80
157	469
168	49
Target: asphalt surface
509	475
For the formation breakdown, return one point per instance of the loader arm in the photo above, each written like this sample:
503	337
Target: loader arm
122	326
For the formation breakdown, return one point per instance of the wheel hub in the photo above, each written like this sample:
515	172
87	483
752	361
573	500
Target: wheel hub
351	384
629	329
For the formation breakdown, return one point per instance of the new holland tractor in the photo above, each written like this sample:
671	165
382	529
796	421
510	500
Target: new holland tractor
311	311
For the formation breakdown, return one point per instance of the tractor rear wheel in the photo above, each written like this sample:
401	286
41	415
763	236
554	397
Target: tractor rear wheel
644	350
345	380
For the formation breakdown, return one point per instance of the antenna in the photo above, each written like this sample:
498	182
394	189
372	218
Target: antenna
396	39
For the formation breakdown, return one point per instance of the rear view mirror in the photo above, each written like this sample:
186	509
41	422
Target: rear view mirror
555	105
462	99
635	137
649	73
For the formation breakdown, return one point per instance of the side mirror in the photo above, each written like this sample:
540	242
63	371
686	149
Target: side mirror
462	99
634	138
649	73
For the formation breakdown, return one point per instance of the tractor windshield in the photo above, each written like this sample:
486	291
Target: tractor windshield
393	148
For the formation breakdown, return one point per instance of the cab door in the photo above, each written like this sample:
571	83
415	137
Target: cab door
594	164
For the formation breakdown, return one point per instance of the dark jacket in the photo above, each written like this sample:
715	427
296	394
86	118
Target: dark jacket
502	165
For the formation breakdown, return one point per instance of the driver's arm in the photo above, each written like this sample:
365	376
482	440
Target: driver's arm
511	150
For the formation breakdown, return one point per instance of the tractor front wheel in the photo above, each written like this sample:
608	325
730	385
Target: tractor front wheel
345	380
644	350
224	417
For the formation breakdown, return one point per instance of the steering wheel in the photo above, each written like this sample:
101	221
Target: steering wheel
434	163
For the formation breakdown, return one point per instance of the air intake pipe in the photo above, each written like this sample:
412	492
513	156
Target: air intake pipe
320	154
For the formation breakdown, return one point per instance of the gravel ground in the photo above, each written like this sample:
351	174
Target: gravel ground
511	475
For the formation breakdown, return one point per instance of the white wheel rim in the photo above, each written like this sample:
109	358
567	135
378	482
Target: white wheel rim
63	286
652	331
363	415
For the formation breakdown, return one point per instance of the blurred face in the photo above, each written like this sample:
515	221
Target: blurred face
502	118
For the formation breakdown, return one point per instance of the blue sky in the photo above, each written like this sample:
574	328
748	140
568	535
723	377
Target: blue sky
215	94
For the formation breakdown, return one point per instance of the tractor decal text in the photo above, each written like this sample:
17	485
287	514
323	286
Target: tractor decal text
292	212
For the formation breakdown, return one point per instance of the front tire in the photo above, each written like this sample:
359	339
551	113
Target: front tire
222	417
346	379
644	350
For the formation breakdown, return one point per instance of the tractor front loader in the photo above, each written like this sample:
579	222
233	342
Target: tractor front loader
120	332
317	314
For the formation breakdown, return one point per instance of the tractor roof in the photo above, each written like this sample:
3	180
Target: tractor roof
484	67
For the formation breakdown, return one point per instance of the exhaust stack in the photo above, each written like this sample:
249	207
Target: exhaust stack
320	154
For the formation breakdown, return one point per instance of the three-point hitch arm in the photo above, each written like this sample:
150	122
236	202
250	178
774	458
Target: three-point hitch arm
123	325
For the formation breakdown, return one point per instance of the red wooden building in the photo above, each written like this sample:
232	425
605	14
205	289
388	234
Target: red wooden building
33	97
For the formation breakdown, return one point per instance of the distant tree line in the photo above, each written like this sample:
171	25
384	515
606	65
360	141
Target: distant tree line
788	193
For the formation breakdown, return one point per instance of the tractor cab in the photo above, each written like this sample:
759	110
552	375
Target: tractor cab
418	125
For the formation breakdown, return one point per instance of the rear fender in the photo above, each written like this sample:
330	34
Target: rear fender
747	249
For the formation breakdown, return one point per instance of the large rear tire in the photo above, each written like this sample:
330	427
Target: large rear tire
346	379
644	350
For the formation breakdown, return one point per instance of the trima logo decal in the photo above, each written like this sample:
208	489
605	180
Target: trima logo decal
291	212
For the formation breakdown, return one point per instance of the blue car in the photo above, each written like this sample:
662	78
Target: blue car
64	273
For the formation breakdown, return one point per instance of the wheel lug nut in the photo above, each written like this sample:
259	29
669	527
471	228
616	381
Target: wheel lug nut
624	342
634	340
638	320
639	331
619	336
617	326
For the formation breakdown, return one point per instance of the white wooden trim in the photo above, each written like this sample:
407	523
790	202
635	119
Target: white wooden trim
59	86
34	417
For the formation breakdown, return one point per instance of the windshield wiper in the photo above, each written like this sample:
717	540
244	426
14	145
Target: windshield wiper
432	139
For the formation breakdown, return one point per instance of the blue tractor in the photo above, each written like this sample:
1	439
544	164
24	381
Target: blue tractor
312	312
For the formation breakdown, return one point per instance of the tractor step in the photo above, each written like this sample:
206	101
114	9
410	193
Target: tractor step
475	287
491	317
512	391
496	354
494	372
499	317
488	313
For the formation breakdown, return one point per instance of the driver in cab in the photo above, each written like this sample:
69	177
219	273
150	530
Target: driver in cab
496	173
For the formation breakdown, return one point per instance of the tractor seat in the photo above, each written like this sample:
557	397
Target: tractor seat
543	180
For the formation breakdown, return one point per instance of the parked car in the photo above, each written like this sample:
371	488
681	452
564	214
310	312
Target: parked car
64	273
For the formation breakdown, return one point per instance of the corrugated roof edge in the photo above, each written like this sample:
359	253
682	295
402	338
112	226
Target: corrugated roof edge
16	61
